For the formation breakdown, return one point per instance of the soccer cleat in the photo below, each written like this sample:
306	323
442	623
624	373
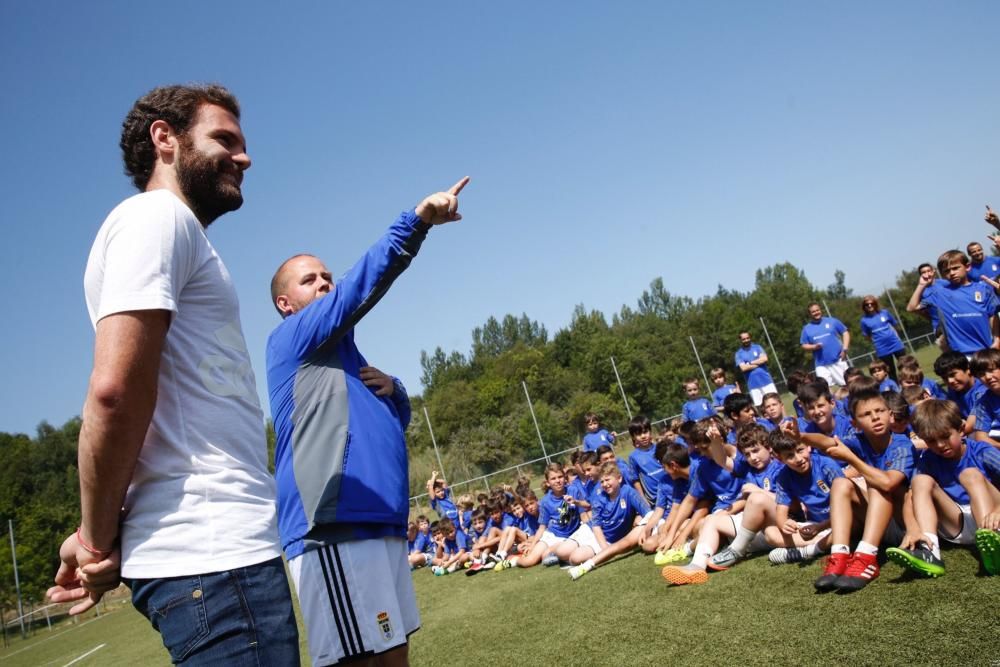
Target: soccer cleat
783	555
467	564
836	565
475	568
920	560
723	560
577	571
550	560
861	570
988	542
502	565
670	556
493	558
680	576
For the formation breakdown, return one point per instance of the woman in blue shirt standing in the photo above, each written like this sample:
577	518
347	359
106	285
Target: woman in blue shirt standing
879	326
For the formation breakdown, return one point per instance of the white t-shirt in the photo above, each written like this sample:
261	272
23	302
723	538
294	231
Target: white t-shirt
201	499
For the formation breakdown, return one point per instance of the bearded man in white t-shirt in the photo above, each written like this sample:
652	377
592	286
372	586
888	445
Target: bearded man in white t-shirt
174	486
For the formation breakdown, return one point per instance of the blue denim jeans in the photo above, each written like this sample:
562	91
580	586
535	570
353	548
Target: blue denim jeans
237	617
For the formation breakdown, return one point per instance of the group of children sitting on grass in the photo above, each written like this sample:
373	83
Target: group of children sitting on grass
901	465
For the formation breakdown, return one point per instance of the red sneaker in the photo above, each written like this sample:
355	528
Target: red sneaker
861	570
836	565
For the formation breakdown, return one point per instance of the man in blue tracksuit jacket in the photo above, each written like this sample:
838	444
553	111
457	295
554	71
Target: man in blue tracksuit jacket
340	456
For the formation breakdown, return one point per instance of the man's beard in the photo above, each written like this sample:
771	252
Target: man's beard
201	183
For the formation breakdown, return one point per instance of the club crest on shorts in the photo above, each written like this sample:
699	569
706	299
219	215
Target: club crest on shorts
822	486
384	625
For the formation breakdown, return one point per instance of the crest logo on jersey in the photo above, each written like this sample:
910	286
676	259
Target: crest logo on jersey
767	484
622	503
822	486
384	625
883	318
979	296
827	325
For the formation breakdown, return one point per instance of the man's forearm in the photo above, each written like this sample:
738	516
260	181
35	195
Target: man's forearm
121	398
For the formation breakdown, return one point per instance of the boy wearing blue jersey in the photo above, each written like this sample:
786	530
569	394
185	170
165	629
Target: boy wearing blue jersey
677	464
880	373
423	547
697	406
757	471
615	512
805	480
885	462
648	470
558	519
911	375
980	265
718	377
821	416
584	486
484	535
606	454
954	491
524	509
440	499
751	359
452	548
740	409
986	366
712	489
966	309
964	389
596	435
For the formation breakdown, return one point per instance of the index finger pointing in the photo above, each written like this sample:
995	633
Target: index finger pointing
455	189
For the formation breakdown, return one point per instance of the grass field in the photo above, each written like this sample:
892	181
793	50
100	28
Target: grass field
624	613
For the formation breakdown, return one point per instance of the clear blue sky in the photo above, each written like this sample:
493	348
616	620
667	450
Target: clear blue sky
608	143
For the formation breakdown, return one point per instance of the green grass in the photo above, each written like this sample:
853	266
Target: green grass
625	613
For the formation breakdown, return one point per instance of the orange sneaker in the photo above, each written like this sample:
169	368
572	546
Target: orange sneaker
680	576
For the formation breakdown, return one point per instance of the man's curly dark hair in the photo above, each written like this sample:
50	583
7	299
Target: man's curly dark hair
177	105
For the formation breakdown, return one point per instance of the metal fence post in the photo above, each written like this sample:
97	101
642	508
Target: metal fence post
628	409
704	377
774	352
430	429
534	419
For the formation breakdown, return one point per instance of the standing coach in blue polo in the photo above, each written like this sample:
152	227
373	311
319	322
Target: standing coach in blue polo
828	339
340	456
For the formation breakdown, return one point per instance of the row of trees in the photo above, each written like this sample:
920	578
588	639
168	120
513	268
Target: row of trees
476	401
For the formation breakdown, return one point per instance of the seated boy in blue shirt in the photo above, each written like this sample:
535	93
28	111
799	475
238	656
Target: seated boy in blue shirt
677	464
524	509
648	470
615	511
697	406
821	418
605	454
740	409
712	489
880	371
911	375
968	473
757	471
718	377
986	366
963	387
596	435
884	461
440	497
423	547
452	548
